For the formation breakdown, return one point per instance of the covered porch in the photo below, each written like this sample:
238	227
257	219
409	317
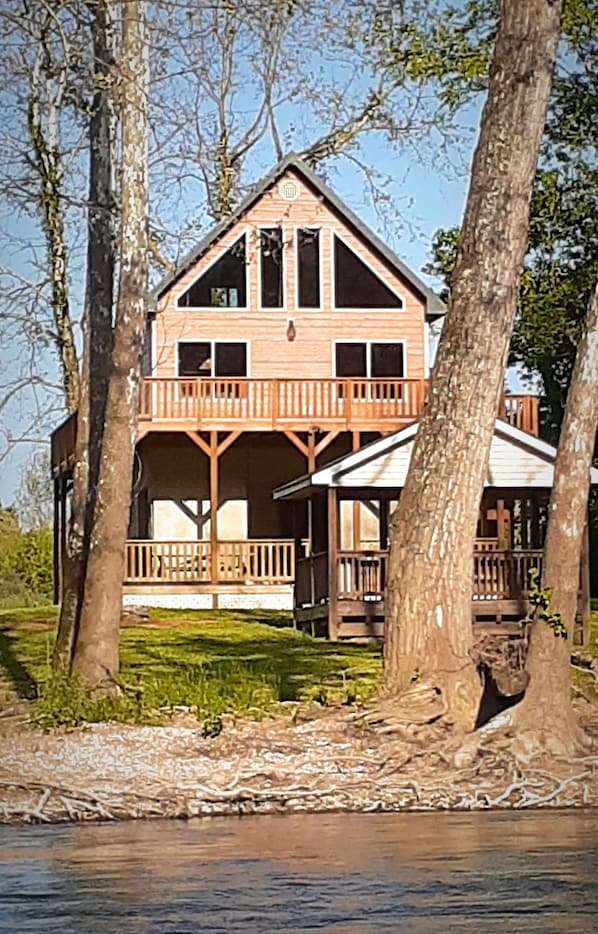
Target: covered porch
340	585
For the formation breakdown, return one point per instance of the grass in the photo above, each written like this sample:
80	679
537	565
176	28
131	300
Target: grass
212	661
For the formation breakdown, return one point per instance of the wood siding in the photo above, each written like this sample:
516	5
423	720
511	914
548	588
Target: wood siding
270	353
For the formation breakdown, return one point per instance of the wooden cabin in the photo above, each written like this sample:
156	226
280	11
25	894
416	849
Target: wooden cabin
288	338
339	588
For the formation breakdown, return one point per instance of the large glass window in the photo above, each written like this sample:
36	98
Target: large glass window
369	360
226	360
356	285
308	268
271	249
223	285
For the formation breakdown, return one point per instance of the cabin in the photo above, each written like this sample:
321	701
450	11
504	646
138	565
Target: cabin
290	338
339	589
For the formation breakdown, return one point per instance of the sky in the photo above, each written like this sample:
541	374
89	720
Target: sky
427	197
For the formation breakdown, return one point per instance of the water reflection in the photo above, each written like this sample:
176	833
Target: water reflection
346	874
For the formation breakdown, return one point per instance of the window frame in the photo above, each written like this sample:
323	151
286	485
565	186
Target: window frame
368	359
321	230
258	252
212	342
219	309
392	288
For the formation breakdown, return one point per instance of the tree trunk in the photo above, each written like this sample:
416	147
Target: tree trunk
97	329
50	170
546	714
428	602
95	659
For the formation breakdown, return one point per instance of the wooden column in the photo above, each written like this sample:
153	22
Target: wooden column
383	524
332	569
356	504
214	506
584	580
56	540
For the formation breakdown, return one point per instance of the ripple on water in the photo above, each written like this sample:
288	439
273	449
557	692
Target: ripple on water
343	873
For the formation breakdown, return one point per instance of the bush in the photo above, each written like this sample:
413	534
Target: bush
26	563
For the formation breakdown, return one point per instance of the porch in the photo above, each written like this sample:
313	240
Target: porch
342	596
200	574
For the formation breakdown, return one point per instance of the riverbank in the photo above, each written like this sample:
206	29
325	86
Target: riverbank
295	741
306	760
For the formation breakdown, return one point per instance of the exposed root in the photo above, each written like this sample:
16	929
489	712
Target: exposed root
330	763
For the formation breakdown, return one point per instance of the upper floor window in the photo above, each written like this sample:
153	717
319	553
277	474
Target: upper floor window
271	267
358	286
369	360
308	268
212	358
223	284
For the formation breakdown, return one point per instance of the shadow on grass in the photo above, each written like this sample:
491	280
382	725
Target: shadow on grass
21	680
289	662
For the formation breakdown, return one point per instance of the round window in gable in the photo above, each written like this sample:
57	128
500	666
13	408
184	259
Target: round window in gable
289	190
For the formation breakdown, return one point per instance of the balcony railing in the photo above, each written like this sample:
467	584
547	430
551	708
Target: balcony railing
279	404
282	403
186	562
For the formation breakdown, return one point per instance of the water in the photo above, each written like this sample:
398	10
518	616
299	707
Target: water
347	874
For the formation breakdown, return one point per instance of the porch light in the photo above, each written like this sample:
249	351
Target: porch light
291	329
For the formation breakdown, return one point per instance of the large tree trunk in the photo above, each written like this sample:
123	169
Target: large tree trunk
97	329
546	714
428	602
95	659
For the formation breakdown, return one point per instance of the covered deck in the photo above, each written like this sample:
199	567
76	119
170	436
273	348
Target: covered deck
340	588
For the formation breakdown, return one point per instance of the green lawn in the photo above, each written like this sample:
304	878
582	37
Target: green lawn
216	661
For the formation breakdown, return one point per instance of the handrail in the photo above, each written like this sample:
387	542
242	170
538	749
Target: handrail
269	561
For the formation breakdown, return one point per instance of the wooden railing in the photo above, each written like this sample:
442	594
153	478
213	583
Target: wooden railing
270	404
256	561
311	579
497	575
273	403
63	442
503	575
521	412
361	575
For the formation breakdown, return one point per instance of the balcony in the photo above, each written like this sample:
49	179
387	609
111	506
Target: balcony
283	404
180	404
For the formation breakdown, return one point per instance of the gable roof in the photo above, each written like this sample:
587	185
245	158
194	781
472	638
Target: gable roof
435	307
517	459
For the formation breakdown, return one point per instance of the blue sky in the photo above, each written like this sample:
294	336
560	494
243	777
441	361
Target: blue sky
427	197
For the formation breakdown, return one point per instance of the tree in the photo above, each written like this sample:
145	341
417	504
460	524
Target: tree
33	501
97	328
95	654
545	718
561	264
428	602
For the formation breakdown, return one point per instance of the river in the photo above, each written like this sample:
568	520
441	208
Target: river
343	873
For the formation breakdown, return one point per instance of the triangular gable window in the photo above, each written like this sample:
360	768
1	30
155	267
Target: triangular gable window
223	285
356	285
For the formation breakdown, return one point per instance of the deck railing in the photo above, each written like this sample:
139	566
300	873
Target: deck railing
271	404
256	561
362	576
343	403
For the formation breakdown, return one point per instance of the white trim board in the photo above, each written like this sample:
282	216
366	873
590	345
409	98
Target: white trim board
532	461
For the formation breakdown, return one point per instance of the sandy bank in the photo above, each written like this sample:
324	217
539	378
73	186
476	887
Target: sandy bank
110	771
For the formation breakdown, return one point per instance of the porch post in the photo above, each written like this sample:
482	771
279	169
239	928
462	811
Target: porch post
584	597
56	540
332	569
356	443
383	524
214	506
